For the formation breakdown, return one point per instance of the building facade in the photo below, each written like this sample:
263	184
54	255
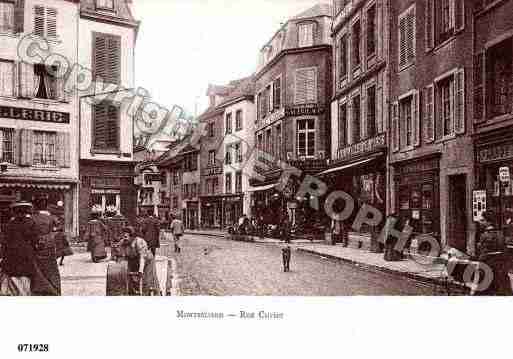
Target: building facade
38	119
431	164
493	106
107	33
293	86
359	113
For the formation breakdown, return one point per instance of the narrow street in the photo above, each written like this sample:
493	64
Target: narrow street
214	266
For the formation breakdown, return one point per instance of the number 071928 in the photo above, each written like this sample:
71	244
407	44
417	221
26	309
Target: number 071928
32	348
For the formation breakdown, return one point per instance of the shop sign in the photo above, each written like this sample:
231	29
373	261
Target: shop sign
307	110
212	171
275	116
30	114
363	147
495	153
504	175
478	204
105	191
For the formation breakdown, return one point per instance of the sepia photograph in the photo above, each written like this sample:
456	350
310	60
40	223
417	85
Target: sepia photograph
255	148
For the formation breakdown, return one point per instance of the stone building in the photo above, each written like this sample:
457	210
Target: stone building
359	113
38	119
431	162
293	87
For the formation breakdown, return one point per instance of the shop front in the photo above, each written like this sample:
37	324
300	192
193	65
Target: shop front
233	209
494	154
417	194
191	214
211	212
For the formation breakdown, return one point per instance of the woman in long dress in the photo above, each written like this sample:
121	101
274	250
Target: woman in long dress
96	236
140	260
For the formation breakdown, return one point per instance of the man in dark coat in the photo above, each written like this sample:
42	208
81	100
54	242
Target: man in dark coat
151	232
46	249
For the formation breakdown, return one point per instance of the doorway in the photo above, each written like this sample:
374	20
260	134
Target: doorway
457	221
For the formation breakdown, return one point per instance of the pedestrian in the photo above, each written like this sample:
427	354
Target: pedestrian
151	232
96	235
177	231
18	261
285	229
140	261
46	249
286	254
63	249
337	232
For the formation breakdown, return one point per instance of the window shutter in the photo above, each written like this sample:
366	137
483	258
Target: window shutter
39	20
428	117
416	119
26	80
402	42
430	29
100	57
100	126
311	86
459	113
364	133
27	147
479	86
452	101
114	46
59	156
301	80
410	34
2	159
395	127
113	127
459	15
16	146
67	149
51	22
19	16
438	113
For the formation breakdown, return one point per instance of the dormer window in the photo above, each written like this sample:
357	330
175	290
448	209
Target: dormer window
105	5
306	34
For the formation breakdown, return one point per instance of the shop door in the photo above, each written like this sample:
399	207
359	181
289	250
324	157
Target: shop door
458	212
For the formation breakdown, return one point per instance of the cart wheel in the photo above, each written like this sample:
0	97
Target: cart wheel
117	279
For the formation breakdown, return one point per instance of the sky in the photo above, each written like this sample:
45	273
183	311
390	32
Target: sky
184	45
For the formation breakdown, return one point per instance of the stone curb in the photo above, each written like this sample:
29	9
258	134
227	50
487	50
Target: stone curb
409	275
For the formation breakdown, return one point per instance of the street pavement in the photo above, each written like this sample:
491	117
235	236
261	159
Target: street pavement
220	267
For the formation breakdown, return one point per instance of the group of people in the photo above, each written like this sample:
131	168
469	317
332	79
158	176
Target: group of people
33	241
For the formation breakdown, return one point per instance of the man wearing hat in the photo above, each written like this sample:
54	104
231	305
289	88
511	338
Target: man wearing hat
46	250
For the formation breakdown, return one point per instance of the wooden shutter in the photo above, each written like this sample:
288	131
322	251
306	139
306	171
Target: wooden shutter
113	127
364	133
27	85
39	20
2	159
459	15
100	126
19	16
51	22
16	147
301	83
428	119
114	54
395	126
100	57
402	42
27	147
311	86
63	149
416	118
459	111
410	35
438	114
430	29
479	87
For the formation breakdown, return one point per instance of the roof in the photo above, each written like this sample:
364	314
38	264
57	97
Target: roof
246	87
121	8
316	11
218	90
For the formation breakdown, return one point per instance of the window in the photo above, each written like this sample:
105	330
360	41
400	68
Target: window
45	21
407	38
163	178
269	104
45	148
148	180
449	105
175	202
269	141
238	182
342	125
212	158
107	58
371	112
238	120
406	121
215	185
343	57
443	19
238	152
46	83
228	123
260	112
277	93
190	163
6	77
278	142
228	183
105	4
306	85
446	92
260	141
371	30
228	155
7	145
176	178
106	126
6	17
356	119
356	44
211	132
306	138
499	70
306	35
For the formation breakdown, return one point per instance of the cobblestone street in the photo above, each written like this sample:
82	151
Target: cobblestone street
214	266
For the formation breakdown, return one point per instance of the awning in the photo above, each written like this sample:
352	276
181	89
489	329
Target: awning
36	186
263	188
351	165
